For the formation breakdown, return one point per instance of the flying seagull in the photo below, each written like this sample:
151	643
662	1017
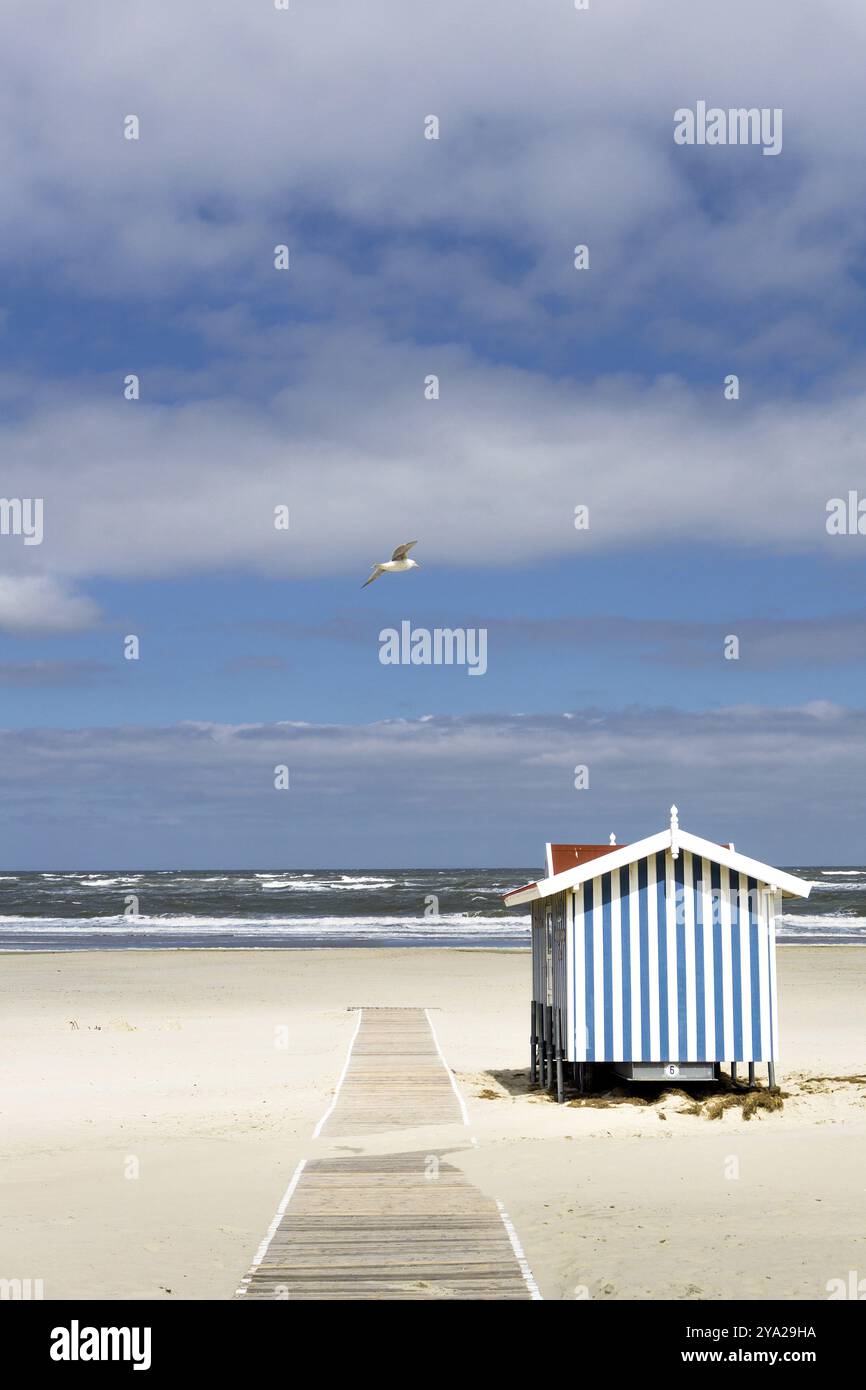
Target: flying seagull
396	563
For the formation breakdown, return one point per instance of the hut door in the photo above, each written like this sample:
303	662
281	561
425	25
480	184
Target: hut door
548	963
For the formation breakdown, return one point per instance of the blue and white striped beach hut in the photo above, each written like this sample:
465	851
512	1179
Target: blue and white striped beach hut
658	958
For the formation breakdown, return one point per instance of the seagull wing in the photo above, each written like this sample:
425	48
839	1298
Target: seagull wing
377	570
402	550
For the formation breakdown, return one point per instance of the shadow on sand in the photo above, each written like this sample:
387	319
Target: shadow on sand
708	1099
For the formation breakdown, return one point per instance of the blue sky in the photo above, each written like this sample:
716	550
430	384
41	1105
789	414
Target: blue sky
609	631
557	387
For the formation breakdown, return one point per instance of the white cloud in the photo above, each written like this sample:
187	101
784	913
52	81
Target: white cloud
556	126
490	474
42	606
484	789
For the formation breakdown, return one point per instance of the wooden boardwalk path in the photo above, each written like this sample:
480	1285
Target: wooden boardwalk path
393	1225
396	1078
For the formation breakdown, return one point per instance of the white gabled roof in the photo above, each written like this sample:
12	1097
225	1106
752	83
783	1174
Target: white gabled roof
788	884
617	859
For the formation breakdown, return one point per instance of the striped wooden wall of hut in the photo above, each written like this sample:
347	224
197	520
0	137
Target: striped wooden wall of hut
672	959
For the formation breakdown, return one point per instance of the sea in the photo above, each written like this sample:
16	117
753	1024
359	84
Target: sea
177	909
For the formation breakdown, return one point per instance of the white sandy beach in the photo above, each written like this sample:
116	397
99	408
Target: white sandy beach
209	1071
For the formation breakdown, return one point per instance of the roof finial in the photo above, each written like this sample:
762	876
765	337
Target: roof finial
612	838
675	825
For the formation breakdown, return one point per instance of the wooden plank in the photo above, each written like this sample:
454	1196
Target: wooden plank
392	1225
395	1079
